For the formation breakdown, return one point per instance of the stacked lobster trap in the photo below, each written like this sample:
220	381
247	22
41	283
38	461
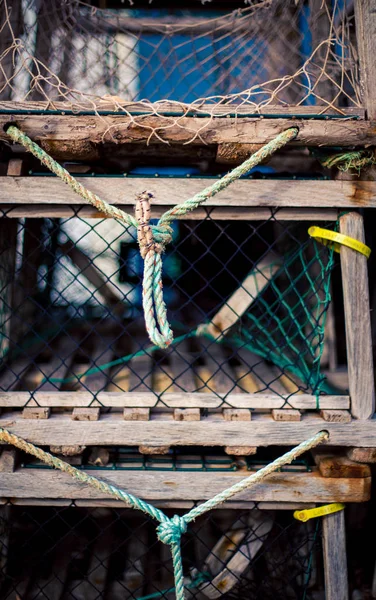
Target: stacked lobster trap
259	336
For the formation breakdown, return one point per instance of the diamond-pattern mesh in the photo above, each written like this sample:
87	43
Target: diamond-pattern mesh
246	299
75	553
252	54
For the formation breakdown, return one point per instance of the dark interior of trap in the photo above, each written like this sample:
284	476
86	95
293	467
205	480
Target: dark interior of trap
72	552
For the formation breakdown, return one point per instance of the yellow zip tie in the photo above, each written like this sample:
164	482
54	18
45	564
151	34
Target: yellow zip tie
320	511
335	240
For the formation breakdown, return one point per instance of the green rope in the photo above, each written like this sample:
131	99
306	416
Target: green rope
345	161
155	312
169	530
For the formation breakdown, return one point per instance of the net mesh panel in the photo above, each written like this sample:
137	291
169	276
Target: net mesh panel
111	553
247	301
267	53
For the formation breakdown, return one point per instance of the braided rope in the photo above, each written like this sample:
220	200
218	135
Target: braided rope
153	239
169	530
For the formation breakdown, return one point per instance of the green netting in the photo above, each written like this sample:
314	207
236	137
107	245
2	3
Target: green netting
286	322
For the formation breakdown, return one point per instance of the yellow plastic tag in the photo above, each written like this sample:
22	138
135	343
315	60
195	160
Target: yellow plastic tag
335	240
320	511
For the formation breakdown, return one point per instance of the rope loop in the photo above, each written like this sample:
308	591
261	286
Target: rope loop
153	239
152	242
171	530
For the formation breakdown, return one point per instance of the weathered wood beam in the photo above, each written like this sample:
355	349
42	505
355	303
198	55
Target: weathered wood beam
357	320
219	213
170	400
365	20
160	485
245	194
176	108
82	136
212	430
334	554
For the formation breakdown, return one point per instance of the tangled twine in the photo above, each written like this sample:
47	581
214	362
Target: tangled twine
346	161
153	239
169	530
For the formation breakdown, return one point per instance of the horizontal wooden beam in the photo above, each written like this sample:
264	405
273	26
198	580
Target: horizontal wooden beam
219	213
170	400
170	107
83	136
245	194
111	429
168	485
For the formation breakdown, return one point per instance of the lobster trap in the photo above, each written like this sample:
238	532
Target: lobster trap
249	302
148	96
93	547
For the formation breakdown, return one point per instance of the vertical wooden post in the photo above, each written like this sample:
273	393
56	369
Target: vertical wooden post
365	22
357	320
335	561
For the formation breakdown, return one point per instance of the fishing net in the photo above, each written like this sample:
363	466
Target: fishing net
153	59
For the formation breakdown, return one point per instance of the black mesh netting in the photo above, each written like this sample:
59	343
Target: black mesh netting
247	302
76	553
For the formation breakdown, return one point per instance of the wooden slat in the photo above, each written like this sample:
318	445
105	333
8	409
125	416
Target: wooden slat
73	135
334	553
213	375
179	107
212	430
141	368
365	20
158	485
58	366
181	367
235	213
332	462
138	399
240	301
357	320
245	193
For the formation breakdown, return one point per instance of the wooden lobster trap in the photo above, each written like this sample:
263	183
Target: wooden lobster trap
254	359
272	337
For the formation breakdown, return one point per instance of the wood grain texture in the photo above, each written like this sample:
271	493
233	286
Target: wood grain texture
333	463
36	412
212	430
357	320
335	416
362	455
365	20
288	414
82	136
334	552
240	450
170	400
85	414
218	213
179	107
180	485
245	193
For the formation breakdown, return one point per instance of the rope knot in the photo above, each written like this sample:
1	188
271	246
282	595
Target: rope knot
171	530
150	237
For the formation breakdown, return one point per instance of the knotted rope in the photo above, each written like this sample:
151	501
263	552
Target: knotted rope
153	239
169	530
